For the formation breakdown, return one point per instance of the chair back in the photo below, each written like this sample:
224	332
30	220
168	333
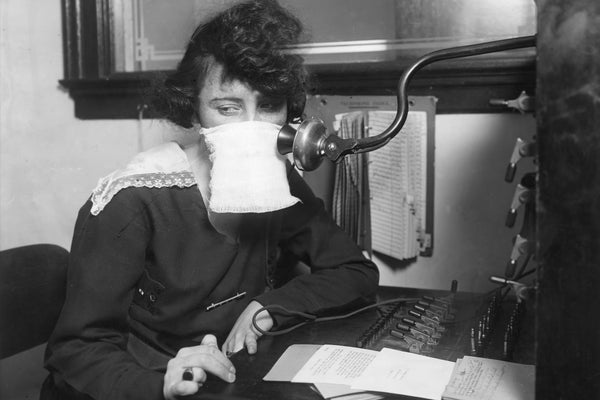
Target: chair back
32	292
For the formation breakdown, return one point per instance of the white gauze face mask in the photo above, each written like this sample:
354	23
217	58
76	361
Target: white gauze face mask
248	175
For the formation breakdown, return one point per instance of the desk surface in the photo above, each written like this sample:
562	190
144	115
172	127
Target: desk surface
252	368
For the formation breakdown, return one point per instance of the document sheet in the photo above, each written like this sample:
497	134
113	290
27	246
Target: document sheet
405	373
335	364
476	378
361	370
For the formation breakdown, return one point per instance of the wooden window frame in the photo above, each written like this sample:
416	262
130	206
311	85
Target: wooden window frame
461	86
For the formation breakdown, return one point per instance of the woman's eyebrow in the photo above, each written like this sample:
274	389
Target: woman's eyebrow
262	97
225	98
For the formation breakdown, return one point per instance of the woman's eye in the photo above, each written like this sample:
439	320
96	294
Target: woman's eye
229	109
272	106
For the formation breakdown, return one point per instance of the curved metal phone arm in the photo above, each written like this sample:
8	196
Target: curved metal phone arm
334	147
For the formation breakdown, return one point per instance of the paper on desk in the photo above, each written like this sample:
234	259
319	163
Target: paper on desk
290	362
296	357
338	391
406	373
335	364
347	370
477	378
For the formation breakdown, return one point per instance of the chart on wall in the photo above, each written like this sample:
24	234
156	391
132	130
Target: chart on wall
384	198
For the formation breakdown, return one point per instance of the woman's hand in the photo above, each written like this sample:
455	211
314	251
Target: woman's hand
198	361
244	333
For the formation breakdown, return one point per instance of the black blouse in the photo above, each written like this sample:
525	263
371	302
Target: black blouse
145	271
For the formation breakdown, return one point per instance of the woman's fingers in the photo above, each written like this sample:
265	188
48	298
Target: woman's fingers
184	388
213	362
209	340
195	374
188	370
210	350
234	343
202	359
244	334
251	342
175	382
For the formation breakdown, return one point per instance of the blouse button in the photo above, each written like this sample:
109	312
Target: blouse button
152	297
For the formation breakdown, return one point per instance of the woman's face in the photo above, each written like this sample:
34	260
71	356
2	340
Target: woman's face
223	101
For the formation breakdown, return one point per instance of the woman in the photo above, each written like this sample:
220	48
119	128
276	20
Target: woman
173	254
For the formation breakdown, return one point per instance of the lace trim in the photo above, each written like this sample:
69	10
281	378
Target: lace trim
108	188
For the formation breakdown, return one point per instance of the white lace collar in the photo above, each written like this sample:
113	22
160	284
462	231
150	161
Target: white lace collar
165	165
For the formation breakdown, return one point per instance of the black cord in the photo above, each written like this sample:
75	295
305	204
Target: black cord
525	273
521	274
314	318
518	275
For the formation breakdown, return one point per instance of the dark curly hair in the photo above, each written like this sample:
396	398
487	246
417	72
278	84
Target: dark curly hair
247	39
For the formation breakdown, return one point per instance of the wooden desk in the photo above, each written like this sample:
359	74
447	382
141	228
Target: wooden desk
252	368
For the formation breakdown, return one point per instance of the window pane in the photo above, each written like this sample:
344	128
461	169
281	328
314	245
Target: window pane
152	34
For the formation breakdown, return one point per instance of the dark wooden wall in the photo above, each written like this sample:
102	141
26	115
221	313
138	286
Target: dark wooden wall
568	118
